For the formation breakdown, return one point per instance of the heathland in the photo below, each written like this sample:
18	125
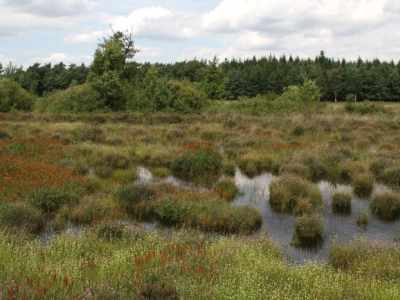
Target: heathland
60	172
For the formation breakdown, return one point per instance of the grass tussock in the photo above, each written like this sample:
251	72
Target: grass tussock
341	201
386	205
287	190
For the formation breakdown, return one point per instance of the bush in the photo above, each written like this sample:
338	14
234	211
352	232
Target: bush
76	99
287	190
226	188
23	216
12	95
367	107
341	201
363	184
298	131
49	200
130	195
386	206
309	228
198	159
4	135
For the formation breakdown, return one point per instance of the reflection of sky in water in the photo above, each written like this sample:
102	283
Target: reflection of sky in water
280	227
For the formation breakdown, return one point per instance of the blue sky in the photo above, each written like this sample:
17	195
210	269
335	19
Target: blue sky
174	30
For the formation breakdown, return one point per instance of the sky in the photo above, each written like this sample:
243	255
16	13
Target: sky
167	31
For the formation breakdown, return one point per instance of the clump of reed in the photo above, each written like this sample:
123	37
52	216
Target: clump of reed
341	202
287	190
22	216
386	205
363	185
308	229
226	188
197	159
211	214
135	197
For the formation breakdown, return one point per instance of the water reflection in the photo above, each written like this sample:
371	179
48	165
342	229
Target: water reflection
279	226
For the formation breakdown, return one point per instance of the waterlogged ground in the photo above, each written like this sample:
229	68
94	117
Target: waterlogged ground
280	227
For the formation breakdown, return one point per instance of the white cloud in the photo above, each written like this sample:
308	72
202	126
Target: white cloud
158	23
90	37
48	8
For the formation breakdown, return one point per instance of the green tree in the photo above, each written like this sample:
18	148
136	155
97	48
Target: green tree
107	70
304	97
214	82
12	95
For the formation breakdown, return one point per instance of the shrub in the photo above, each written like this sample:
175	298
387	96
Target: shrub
12	95
363	184
341	201
130	195
23	216
226	188
287	190
89	133
309	228
367	107
386	206
76	99
198	159
298	131
49	200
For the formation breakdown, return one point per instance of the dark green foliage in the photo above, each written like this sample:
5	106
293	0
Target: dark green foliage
23	216
52	199
298	131
198	159
12	95
386	206
89	133
132	194
169	96
367	108
75	99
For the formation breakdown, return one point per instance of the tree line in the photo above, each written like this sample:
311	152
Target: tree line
114	81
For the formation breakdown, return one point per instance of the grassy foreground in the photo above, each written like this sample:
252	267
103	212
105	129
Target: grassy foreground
187	265
80	169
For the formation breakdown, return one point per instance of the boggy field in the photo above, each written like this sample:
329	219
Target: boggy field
62	172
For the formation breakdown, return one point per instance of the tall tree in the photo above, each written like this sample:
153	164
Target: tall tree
214	82
107	70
